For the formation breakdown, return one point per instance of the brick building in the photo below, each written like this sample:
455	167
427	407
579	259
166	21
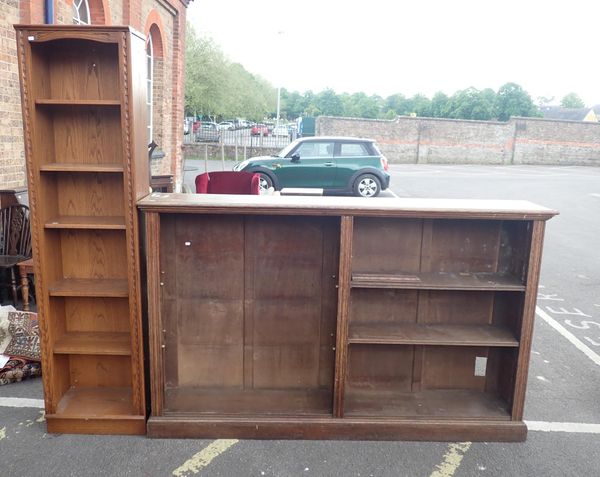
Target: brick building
162	21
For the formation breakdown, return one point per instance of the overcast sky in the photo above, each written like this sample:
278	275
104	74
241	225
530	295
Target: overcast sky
383	47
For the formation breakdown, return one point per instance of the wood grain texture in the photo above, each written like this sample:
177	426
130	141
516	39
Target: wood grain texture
341	346
85	238
387	207
347	428
528	317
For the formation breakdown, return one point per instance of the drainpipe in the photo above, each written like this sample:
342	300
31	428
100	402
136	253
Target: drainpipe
48	12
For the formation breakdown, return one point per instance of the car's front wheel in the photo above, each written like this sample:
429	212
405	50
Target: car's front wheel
367	185
264	182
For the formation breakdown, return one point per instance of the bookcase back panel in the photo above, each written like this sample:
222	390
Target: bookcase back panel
383	245
455	307
93	254
99	371
451	367
95	314
83	194
84	135
255	310
383	306
76	69
381	367
460	246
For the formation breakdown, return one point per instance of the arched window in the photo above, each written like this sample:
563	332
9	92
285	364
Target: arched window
81	12
149	83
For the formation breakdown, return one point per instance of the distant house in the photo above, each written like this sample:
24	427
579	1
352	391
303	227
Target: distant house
571	114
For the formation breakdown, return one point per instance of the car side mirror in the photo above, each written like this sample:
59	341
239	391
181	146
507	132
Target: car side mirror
296	157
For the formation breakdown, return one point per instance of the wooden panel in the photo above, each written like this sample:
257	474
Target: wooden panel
77	69
287	290
86	222
93	254
456	307
446	367
349	428
100	371
78	167
93	194
383	306
381	367
386	245
94	314
461	246
87	135
133	425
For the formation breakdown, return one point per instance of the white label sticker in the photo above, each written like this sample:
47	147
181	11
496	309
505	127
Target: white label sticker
480	365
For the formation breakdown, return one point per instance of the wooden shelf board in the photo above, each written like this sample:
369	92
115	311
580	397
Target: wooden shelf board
77	102
90	287
328	428
438	281
227	401
103	402
94	343
80	167
431	335
439	404
86	222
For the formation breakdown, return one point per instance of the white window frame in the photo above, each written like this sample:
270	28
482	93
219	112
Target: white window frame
78	7
149	84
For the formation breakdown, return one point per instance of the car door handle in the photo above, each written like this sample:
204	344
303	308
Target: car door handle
329	164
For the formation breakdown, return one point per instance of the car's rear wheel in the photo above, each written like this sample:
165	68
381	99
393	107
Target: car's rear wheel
264	182
367	185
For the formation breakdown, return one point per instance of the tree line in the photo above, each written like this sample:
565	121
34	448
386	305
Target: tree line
219	89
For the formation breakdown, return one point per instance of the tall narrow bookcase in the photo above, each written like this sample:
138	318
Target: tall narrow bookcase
83	96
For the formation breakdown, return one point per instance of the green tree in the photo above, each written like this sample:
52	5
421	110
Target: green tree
572	100
512	100
329	103
439	105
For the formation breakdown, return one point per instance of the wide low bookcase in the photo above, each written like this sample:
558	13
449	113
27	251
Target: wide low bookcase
83	96
319	317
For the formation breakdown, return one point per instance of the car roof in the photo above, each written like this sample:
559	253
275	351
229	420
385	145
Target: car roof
335	138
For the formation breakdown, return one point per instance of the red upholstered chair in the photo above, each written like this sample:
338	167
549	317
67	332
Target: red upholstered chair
227	182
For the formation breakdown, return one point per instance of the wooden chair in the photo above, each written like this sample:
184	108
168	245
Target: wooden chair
228	182
15	242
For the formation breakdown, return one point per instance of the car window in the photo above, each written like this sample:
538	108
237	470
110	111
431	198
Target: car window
353	149
315	149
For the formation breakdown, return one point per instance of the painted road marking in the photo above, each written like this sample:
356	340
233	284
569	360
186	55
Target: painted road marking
452	459
580	345
570	427
21	402
203	458
393	193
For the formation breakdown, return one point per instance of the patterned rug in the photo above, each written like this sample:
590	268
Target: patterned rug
20	341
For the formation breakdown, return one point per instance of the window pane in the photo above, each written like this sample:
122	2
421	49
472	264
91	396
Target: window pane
353	149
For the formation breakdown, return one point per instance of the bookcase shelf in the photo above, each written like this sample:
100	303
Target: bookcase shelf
99	343
438	281
443	335
83	108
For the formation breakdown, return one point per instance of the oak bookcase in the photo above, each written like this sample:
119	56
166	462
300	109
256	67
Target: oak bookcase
321	317
83	96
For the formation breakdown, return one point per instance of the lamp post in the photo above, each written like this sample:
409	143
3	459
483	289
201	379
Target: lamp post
280	33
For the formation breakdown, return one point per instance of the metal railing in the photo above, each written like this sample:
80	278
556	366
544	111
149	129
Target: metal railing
245	137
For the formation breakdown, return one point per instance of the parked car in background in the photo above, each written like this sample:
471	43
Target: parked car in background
259	130
225	126
207	132
334	164
281	130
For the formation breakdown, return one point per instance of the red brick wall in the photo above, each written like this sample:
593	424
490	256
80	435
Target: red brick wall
168	92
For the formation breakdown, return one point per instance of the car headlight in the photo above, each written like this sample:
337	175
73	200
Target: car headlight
240	166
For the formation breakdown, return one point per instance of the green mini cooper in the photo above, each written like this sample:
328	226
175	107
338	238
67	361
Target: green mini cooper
334	164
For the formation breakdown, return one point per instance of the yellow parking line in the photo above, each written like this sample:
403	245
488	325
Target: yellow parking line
203	458
452	459
3	433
